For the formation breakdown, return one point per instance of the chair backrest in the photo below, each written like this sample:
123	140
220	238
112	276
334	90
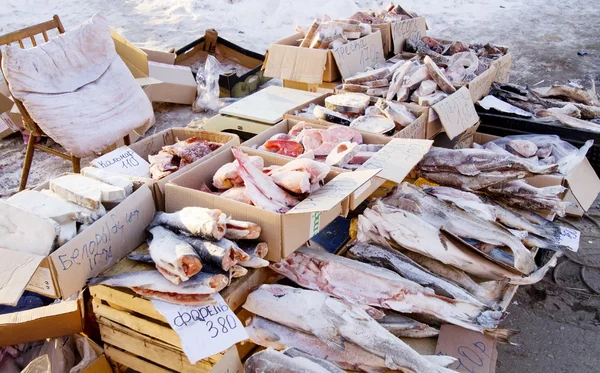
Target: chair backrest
19	36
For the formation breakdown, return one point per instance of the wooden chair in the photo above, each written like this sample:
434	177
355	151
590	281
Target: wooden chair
30	126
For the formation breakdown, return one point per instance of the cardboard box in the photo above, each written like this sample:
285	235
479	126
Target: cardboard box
66	270
101	364
325	87
177	84
53	320
284	233
453	115
153	144
244	128
390	171
410	28
286	60
386	37
10	117
582	182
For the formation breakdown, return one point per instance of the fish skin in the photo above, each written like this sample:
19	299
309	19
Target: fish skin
266	333
270	361
211	253
292	181
237	193
365	284
407	268
457	221
397	227
334	322
405	327
196	221
174	258
524	195
295	353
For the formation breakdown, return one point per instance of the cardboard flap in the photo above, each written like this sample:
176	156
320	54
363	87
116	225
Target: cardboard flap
410	28
295	63
457	112
397	158
146	81
503	65
584	183
135	58
475	352
480	86
16	269
334	192
357	55
159	56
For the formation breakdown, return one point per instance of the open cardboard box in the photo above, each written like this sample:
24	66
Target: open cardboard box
403	30
284	233
395	161
582	183
287	61
325	87
66	270
244	128
153	144
10	117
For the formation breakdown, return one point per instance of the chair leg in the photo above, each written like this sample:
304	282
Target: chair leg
27	161
76	164
127	140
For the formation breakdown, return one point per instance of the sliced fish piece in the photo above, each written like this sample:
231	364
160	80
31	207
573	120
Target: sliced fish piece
242	230
333	322
354	103
254	248
290	148
254	262
377	83
317	170
239	254
426	87
431	99
342	154
174	258
523	148
211	253
237	194
374	124
414	78
354	88
368	76
396	112
238	271
397	79
438	76
196	221
330	116
227	175
293	181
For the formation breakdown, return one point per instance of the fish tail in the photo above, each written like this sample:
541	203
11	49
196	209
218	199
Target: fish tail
502	335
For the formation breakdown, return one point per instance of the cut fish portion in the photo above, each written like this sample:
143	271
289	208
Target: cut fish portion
108	178
44	205
24	231
354	103
86	192
82	215
174	258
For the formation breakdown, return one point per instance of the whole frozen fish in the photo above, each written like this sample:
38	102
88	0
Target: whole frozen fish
462	224
196	291
396	112
576	94
570	121
174	258
524	195
271	361
239	254
405	327
329	367
209	252
227	176
334	322
375	286
270	334
242	230
407	268
196	221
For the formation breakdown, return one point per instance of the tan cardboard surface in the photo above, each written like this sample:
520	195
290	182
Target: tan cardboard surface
358	55
16	269
503	65
474	351
269	105
104	243
410	28
397	158
457	112
285	60
480	86
9	121
418	128
177	85
159	56
386	36
584	184
325	87
54	320
135	58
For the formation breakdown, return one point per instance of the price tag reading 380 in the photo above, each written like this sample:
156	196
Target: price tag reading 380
204	330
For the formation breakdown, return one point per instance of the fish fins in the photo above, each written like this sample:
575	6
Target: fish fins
443	361
502	335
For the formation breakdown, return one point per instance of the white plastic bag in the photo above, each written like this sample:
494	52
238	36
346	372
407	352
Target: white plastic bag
207	83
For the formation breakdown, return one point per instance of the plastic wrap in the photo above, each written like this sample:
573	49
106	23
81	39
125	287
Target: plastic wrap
207	81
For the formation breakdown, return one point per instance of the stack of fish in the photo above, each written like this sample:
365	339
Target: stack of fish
498	167
326	33
273	188
173	157
38	222
337	145
195	257
569	105
393	13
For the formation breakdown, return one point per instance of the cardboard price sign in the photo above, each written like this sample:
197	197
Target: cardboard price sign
569	238
414	28
204	330
123	161
457	112
356	56
475	352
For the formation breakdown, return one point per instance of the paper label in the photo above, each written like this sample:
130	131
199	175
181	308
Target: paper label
42	281
334	192
474	351
9	122
397	158
410	28
123	161
569	238
315	223
356	56
457	112
203	330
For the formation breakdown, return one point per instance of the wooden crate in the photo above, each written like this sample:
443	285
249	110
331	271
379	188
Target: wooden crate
139	337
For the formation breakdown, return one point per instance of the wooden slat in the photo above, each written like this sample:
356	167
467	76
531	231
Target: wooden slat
127	300
27	32
132	361
32	37
151	349
21	44
45	35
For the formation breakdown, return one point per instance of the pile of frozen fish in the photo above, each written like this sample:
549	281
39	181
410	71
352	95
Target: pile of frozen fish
173	157
571	105
326	33
498	168
353	314
393	13
337	145
273	188
196	252
38	222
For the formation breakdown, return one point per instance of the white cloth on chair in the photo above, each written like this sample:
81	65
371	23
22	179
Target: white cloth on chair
78	90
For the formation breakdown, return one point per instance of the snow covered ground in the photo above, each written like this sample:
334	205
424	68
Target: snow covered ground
544	36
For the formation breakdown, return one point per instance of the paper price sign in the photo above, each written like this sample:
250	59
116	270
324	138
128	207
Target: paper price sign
203	330
123	161
569	238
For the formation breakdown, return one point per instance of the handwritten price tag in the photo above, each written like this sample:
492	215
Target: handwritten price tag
457	112
123	161
474	351
355	56
414	28
204	330
569	238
